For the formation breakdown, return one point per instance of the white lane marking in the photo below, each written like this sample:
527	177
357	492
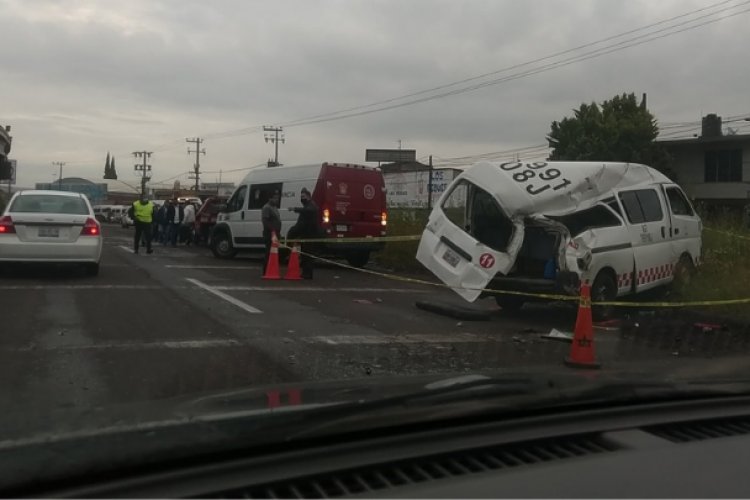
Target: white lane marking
83	287
228	298
398	339
132	346
240	288
127	249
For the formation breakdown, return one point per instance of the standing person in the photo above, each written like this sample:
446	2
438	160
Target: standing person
142	215
161	220
306	227
271	224
174	218
188	221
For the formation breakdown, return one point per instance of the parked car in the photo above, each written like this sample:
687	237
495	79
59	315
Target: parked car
351	200
50	226
550	226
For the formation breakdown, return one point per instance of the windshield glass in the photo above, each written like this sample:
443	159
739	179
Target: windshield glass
298	204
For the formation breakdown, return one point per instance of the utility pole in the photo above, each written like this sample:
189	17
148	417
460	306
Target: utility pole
198	151
429	188
144	168
60	164
275	140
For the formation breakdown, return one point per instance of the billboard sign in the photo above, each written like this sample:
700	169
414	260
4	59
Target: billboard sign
391	155
410	189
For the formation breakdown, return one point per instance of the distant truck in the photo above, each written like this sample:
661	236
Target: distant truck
550	226
350	199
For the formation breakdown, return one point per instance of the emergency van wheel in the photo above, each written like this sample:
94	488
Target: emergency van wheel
511	304
358	259
221	246
603	289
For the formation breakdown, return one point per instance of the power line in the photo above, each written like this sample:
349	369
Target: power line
548	67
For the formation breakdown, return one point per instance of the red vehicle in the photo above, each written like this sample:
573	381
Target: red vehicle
351	200
206	217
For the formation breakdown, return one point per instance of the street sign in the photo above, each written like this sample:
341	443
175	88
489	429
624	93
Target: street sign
391	155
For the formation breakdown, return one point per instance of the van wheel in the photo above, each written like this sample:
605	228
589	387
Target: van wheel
511	304
683	274
221	246
358	259
603	289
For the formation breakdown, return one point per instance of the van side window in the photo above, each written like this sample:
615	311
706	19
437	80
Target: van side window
612	203
260	193
642	205
488	223
454	206
678	202
591	218
237	201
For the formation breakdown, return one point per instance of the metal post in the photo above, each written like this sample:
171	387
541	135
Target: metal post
429	187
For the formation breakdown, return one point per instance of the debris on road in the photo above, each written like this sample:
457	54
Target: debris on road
362	301
556	334
453	311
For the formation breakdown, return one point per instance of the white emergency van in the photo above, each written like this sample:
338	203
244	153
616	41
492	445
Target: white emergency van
549	226
350	199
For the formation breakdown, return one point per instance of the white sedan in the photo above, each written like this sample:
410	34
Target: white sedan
50	226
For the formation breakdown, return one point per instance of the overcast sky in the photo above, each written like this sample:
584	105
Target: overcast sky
81	78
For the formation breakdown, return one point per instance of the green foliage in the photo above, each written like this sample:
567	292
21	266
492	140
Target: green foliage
107	169
402	255
3	202
112	169
620	129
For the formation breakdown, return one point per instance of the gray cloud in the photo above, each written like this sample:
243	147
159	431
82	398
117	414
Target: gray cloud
82	78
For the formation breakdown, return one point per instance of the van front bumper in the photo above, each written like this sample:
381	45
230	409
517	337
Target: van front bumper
565	283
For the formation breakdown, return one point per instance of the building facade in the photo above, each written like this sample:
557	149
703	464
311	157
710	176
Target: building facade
713	168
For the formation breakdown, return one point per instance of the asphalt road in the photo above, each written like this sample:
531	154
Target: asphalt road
180	322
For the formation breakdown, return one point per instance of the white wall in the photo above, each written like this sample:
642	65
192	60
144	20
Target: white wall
409	189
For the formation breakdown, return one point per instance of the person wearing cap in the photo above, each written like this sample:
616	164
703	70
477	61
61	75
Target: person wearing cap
307	226
271	219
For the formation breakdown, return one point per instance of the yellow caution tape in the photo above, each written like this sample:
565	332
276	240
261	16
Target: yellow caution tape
367	239
547	296
727	233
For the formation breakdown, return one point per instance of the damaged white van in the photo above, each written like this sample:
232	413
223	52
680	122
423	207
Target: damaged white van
546	227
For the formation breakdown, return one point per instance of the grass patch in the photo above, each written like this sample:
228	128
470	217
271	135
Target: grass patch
402	255
725	270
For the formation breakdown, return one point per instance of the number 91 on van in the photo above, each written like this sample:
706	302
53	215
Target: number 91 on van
547	227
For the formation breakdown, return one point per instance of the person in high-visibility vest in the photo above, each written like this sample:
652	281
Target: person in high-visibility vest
142	216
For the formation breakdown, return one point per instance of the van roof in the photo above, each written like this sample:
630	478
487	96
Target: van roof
289	172
590	182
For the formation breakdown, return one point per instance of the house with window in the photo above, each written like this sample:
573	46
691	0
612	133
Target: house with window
713	168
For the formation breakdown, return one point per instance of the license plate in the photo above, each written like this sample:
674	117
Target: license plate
341	227
49	232
451	257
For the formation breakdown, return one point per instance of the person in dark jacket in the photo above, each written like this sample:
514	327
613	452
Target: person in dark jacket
271	224
175	214
307	226
161	220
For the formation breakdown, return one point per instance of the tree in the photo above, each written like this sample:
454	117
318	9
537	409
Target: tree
107	168
620	129
112	169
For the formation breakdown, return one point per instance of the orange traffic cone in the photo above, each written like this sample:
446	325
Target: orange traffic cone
582	348
293	271
272	266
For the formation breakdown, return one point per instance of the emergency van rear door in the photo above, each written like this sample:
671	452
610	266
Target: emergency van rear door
469	239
